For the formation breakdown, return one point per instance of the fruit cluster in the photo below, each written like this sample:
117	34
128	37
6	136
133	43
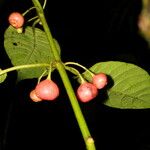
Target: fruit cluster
48	90
88	91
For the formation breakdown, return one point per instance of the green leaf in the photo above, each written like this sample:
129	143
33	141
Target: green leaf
131	84
2	76
23	48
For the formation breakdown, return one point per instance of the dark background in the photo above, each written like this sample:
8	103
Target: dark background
88	32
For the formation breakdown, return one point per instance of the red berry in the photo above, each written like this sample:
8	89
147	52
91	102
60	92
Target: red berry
16	20
99	80
47	90
34	97
87	91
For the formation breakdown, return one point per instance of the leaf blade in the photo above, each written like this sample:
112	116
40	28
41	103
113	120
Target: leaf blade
131	87
24	49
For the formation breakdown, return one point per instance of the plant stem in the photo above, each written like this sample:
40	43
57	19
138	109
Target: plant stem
32	19
79	65
61	69
76	72
27	11
23	67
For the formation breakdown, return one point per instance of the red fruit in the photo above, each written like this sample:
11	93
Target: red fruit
47	90
16	20
34	97
87	91
99	80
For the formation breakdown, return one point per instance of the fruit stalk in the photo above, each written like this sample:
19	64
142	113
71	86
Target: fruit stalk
24	67
61	69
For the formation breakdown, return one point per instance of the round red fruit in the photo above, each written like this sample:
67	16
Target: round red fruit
47	90
99	80
16	20
86	92
34	97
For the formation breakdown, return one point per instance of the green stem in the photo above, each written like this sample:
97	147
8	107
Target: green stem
32	19
61	69
49	72
27	11
46	29
23	67
76	72
39	79
45	1
79	65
